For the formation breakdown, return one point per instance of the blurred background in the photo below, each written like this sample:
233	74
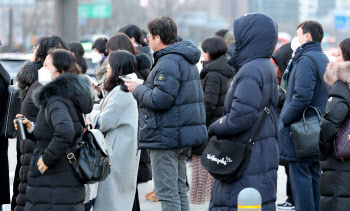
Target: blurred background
23	22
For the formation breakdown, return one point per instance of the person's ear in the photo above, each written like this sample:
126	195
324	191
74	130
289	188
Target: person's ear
308	36
158	39
132	40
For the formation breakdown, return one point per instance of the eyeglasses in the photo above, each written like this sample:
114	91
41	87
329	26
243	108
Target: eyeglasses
34	48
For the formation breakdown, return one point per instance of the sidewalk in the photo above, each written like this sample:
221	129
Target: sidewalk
147	187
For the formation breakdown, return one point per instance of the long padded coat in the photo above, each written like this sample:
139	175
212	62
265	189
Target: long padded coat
335	183
28	83
172	113
58	188
254	85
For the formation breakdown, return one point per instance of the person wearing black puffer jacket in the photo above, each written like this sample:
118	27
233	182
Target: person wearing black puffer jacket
27	80
215	78
52	183
334	182
144	174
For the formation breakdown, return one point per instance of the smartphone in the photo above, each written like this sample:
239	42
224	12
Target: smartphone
93	81
125	78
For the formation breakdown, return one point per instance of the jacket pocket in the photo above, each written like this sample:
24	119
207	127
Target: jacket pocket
147	119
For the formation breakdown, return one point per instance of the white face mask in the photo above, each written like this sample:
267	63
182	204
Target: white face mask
44	76
96	57
295	43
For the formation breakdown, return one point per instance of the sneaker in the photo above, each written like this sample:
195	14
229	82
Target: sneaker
286	206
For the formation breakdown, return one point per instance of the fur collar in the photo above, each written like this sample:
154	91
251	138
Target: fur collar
28	74
337	71
67	85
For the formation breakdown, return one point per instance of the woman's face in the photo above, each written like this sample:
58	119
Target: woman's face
340	57
109	70
48	64
206	56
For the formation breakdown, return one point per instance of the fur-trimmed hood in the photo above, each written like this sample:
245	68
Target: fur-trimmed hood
28	74
337	71
143	61
76	88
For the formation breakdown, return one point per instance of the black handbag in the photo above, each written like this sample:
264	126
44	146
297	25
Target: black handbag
93	160
305	132
226	160
12	106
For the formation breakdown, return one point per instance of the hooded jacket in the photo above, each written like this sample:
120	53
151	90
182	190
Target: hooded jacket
254	85
335	185
58	188
172	112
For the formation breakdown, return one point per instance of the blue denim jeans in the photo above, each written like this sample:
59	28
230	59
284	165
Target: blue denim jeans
305	183
169	176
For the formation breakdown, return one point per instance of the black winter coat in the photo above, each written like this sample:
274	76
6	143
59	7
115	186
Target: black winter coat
215	78
254	85
172	112
58	188
27	82
334	181
144	174
4	173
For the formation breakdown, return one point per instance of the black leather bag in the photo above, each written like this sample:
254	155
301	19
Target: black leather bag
226	160
93	160
12	108
305	134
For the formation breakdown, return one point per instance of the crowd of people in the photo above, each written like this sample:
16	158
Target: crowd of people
155	122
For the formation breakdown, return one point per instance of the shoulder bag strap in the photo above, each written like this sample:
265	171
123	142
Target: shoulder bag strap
262	121
318	72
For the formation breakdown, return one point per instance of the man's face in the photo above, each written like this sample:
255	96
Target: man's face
153	41
303	38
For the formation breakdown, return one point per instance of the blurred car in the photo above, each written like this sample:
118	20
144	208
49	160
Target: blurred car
12	62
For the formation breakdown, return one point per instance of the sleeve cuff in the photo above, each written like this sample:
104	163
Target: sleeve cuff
30	131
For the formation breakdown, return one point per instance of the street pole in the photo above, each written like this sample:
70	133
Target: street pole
66	19
10	28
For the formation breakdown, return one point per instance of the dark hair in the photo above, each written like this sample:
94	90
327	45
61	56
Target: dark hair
64	60
133	31
45	44
345	49
215	47
314	28
221	33
165	28
78	51
144	33
122	63
100	45
120	42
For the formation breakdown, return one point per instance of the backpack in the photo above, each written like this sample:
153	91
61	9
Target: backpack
11	108
92	163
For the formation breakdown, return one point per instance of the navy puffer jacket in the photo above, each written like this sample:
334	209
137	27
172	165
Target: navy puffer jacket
172	112
304	89
254	85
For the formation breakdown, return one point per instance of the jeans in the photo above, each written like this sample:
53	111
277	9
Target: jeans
305	183
169	176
